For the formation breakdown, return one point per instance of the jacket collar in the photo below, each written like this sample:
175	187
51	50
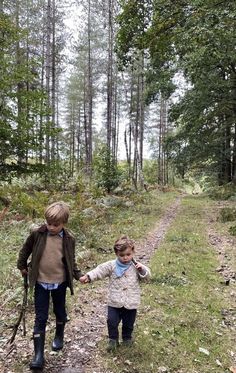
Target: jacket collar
43	229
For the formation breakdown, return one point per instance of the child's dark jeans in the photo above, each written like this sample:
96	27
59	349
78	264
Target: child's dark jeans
115	315
42	298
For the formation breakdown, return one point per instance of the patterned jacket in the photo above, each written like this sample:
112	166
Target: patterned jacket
34	246
123	291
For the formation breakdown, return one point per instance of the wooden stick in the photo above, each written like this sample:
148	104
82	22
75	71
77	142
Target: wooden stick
22	312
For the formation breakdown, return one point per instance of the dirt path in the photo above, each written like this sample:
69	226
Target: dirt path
88	321
88	325
88	314
225	247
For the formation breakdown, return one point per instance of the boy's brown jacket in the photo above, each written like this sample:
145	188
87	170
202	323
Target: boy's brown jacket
35	245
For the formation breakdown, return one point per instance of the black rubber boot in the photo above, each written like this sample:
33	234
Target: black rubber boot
38	360
57	343
127	342
112	345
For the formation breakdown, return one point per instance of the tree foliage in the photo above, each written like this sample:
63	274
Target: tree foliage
27	115
196	39
107	174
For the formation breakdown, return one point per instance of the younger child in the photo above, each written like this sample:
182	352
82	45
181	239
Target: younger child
51	270
124	291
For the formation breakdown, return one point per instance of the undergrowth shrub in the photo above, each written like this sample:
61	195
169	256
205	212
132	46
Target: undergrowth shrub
223	192
30	204
232	230
106	172
227	214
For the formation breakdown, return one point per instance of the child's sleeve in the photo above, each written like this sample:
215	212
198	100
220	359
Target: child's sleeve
101	271
145	274
25	252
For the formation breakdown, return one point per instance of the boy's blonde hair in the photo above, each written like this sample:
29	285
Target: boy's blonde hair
57	212
123	243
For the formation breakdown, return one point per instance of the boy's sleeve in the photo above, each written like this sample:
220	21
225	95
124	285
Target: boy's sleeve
101	271
76	271
25	252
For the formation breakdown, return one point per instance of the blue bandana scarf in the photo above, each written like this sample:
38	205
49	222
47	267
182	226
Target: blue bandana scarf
120	268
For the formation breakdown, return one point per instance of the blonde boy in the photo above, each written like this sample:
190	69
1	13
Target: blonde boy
51	270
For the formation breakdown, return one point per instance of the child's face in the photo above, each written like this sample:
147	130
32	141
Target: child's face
126	255
54	227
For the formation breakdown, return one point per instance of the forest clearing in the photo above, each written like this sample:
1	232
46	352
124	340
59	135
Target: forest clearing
186	321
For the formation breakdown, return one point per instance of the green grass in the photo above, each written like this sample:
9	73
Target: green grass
181	306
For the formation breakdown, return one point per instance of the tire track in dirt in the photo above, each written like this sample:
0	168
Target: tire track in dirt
225	247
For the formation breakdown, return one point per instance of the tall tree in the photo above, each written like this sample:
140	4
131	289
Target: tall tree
190	38
20	93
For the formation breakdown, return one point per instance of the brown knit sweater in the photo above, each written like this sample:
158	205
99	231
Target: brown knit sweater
51	267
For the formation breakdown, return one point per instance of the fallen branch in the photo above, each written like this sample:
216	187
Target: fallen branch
22	313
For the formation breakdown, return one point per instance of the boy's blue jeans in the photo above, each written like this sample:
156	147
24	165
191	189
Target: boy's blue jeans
41	301
115	315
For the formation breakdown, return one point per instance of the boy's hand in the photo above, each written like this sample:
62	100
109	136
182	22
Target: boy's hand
84	279
24	272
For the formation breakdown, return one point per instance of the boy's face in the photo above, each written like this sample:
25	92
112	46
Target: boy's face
126	255
54	227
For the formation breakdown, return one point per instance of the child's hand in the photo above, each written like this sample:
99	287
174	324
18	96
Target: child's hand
139	266
24	272
84	279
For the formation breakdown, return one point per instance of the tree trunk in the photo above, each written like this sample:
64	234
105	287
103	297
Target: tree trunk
90	98
86	130
233	79
41	140
141	127
78	137
20	130
53	87
160	129
48	71
110	74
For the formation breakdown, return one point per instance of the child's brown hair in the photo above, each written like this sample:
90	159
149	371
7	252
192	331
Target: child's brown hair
57	212
123	243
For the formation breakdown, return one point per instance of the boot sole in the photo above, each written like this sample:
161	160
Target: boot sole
36	367
56	348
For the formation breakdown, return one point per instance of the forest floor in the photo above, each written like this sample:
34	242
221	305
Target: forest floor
86	334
